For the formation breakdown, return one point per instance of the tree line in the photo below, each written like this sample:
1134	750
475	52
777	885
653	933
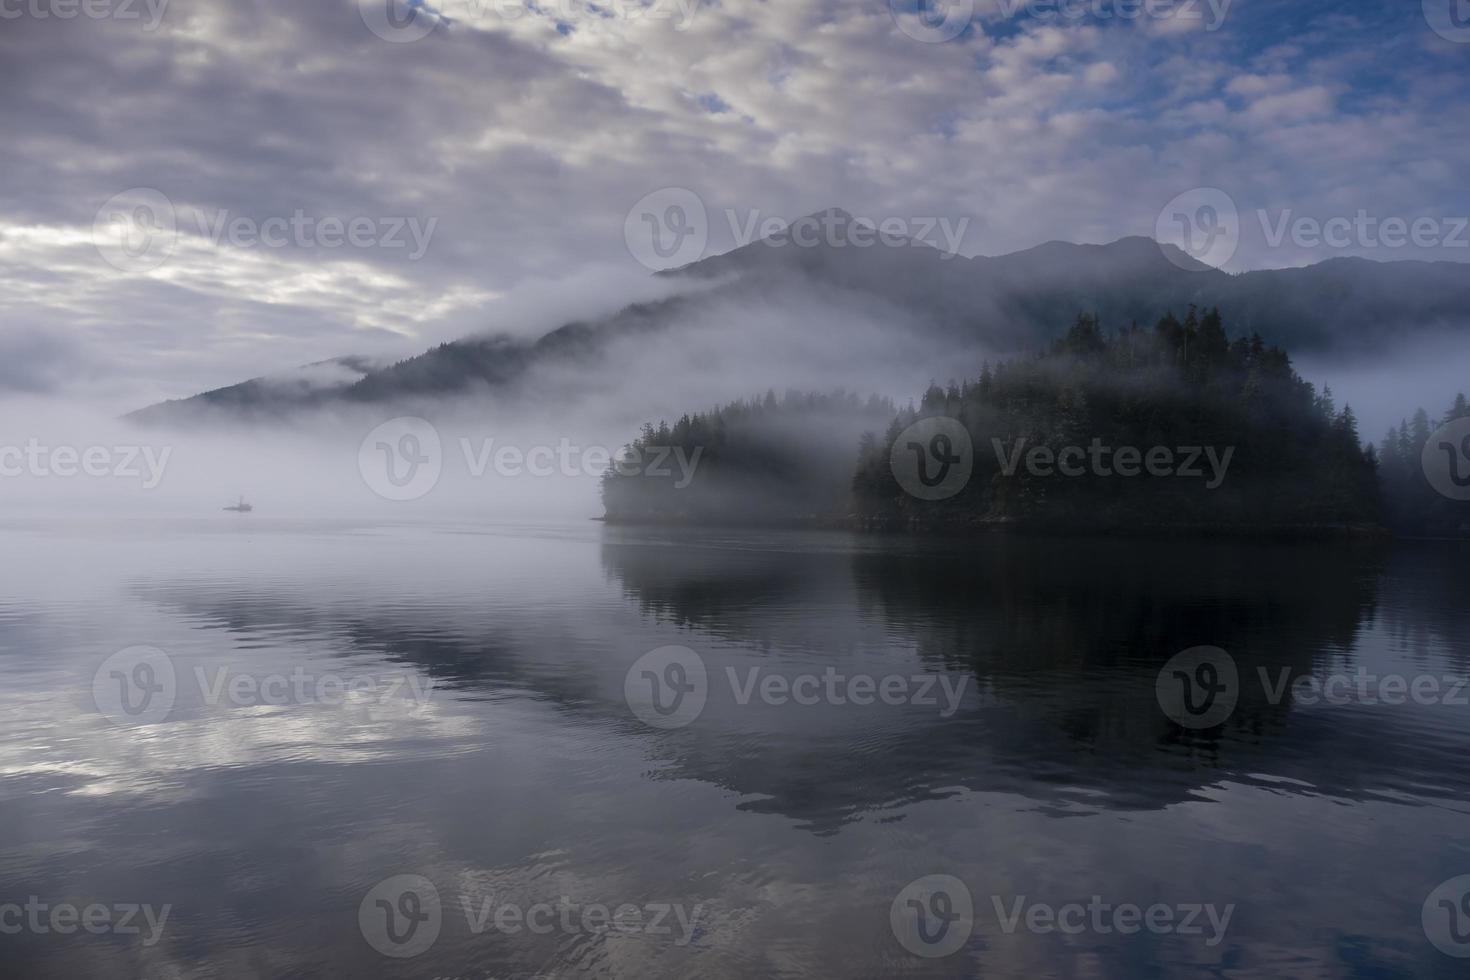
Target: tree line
1282	455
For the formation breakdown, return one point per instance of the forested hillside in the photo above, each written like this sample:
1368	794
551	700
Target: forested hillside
1176	426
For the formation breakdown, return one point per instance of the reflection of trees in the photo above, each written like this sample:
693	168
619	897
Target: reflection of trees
1429	603
1077	630
1010	607
1067	637
460	645
1014	608
696	579
1064	637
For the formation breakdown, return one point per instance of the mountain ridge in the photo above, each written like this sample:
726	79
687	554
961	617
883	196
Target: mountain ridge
1009	302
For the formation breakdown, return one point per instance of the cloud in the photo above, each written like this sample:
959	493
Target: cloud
525	133
1301	104
34	362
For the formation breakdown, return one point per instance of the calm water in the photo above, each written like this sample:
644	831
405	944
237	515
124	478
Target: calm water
495	746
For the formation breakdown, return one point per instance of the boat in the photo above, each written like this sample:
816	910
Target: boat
242	507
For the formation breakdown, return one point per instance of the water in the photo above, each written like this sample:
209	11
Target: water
495	748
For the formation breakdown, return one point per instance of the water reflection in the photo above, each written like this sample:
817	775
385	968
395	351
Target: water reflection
1063	639
792	826
1068	636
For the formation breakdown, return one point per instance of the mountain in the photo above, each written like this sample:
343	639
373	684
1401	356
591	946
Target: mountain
315	383
1007	303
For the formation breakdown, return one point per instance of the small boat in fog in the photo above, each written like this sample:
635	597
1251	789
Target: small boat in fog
242	507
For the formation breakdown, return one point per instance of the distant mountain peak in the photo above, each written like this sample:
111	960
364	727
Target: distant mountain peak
1175	254
834	218
1130	249
1007	303
836	215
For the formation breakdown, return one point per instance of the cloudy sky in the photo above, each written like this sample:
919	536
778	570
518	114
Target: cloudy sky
198	191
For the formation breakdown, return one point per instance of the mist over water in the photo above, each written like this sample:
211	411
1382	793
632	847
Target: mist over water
575	415
582	410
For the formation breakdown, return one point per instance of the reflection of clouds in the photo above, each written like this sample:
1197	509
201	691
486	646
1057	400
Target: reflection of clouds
44	735
711	923
528	781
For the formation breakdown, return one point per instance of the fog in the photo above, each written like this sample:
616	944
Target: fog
1387	387
536	448
538	305
533	452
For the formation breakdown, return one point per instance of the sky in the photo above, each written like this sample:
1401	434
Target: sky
201	191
